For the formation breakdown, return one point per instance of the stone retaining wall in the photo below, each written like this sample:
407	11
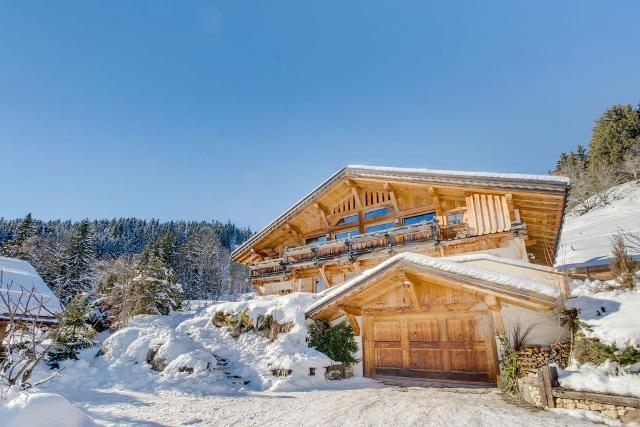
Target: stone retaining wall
626	414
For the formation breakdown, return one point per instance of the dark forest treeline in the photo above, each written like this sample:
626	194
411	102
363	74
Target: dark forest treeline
128	236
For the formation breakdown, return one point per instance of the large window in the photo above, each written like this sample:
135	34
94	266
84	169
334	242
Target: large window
316	239
348	219
376	213
345	234
380	227
417	219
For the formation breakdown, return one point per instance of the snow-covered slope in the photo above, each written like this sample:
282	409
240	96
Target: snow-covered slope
585	238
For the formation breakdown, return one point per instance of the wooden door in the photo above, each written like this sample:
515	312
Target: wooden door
452	346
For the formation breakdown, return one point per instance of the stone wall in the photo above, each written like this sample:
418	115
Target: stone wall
626	414
530	391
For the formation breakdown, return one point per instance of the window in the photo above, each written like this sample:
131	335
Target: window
345	234
348	219
380	227
455	218
376	213
317	239
419	218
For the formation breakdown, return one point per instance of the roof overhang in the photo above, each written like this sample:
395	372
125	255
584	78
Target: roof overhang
526	293
497	181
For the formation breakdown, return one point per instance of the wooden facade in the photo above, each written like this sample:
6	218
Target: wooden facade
423	323
309	247
415	321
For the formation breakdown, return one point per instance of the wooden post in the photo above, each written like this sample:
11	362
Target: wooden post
546	379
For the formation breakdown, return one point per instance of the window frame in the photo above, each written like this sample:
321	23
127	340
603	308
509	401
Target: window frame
432	213
393	225
335	235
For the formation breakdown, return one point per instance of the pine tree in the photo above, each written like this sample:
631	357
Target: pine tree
25	230
77	270
74	332
155	289
615	133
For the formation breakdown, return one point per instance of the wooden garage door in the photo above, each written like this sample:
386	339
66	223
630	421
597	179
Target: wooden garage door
456	347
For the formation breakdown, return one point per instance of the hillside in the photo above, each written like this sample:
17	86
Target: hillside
585	238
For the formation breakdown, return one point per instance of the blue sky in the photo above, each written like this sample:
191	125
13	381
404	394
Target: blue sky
235	109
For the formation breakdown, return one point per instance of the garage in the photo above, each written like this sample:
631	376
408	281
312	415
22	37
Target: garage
431	319
448	346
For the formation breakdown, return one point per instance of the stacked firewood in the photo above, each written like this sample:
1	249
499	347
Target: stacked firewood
531	358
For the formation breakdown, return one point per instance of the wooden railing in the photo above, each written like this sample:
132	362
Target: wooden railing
352	247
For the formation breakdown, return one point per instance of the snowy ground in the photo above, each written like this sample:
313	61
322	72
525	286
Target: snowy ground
237	388
358	403
585	238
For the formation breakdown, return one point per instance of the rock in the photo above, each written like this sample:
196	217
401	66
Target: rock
219	319
632	416
280	372
610	413
335	372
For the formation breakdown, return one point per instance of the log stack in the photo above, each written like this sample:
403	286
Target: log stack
531	358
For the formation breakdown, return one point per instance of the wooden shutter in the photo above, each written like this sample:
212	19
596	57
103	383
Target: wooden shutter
487	213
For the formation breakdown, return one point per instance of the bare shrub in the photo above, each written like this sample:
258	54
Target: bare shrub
27	341
520	334
601	178
580	194
631	162
622	264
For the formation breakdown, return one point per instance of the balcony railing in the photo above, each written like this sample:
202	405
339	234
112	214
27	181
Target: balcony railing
352	247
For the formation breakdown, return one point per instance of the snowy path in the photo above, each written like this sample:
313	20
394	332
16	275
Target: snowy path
366	404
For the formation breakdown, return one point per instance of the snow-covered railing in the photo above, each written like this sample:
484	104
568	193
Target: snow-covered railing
352	247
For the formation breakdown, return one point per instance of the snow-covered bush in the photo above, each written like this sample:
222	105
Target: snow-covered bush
20	409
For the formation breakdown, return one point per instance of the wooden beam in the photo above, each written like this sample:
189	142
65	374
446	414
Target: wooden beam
411	290
324	275
433	309
356	193
494	306
323	213
436	201
352	310
512	214
357	266
354	324
392	194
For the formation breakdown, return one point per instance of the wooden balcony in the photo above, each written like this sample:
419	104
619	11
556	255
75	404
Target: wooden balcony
353	247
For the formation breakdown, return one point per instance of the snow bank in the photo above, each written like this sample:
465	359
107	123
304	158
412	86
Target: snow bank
29	409
152	341
18	277
606	378
253	357
585	238
283	309
613	315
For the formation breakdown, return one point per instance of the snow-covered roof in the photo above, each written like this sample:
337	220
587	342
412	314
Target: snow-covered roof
434	176
546	290
21	285
489	257
455	173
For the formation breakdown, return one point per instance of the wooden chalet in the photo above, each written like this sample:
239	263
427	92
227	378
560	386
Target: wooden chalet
363	215
430	268
24	296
